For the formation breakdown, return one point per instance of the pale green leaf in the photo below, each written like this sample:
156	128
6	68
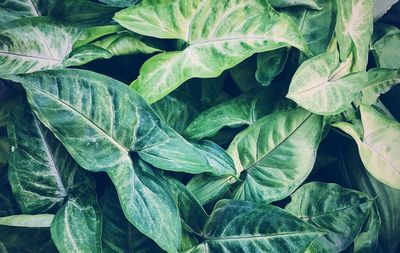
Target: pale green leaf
267	154
215	41
239	226
339	211
354	30
33	44
386	50
27	221
380	81
242	110
320	86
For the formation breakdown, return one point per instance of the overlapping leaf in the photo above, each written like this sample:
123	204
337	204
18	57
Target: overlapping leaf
215	41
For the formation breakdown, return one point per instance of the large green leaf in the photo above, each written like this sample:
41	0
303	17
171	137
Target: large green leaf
148	204
354	30
242	110
276	154
106	121
379	146
239	226
215	41
387	200
118	234
320	86
33	44
43	177
317	26
384	46
41	172
79	11
330	207
380	80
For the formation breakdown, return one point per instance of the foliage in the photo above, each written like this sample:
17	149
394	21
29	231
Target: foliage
198	126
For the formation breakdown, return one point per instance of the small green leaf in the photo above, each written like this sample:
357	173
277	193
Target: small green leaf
339	211
242	110
270	64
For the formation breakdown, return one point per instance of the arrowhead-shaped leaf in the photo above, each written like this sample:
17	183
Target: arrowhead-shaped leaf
318	85
276	154
215	41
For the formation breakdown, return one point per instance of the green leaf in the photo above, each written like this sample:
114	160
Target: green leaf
242	110
33	44
380	81
27	221
177	110
387	200
339	211
384	49
148	204
270	64
317	26
320	87
244	76
208	188
4	151
77	225
122	43
41	172
379	146
267	154
215	42
239	226
106	121
78	11
192	213
118	234
313	4
367	240
354	30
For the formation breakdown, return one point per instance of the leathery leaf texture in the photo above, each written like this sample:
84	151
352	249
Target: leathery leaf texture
199	126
